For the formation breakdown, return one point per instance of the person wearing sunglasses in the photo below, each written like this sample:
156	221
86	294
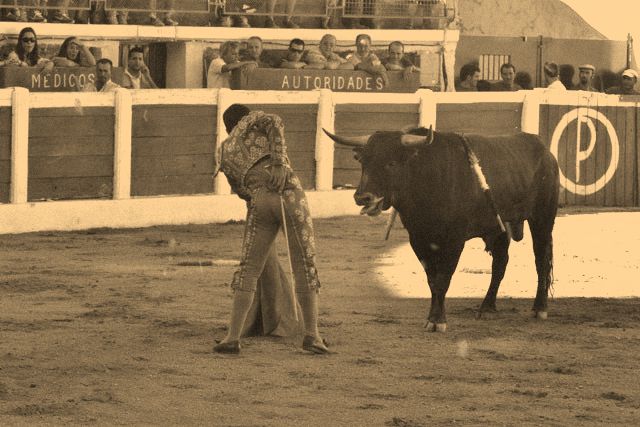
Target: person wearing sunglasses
74	53
295	52
27	54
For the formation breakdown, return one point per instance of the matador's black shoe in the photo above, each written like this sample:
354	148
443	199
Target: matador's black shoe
310	343
231	347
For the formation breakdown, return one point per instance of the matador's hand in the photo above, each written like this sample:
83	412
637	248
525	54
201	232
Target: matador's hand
279	175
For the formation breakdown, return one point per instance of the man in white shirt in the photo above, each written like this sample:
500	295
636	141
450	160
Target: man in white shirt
219	72
552	76
103	78
137	75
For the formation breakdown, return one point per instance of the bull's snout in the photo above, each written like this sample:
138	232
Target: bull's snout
364	199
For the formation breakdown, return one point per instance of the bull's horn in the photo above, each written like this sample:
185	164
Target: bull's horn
410	140
353	141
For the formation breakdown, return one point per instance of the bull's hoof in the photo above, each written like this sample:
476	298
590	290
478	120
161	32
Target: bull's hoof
441	327
540	315
430	327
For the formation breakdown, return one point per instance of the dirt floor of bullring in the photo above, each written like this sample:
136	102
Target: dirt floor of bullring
116	327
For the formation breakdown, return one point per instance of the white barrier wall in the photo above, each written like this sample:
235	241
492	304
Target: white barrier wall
505	112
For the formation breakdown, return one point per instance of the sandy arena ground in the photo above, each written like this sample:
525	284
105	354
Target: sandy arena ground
115	327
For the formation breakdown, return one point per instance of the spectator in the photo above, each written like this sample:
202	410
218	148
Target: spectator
524	80
73	53
552	76
167	17
222	20
103	78
27	53
629	80
293	60
254	53
4	53
219	72
365	60
585	78
325	58
61	15
469	76
507	84
137	75
19	14
397	61
289	10
115	16
361	7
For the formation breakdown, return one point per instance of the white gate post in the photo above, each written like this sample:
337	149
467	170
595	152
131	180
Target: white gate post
220	184
122	145
324	150
19	145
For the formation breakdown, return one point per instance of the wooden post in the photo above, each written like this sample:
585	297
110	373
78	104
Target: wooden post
324	150
19	145
428	108
122	145
530	122
225	100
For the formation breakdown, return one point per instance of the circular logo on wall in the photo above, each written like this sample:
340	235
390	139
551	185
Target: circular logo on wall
586	115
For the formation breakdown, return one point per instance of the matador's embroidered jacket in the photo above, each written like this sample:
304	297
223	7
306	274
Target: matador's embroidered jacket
256	136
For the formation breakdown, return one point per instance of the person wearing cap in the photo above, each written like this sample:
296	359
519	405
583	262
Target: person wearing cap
629	80
552	76
585	78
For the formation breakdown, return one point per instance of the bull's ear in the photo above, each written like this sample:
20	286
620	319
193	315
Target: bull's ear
411	140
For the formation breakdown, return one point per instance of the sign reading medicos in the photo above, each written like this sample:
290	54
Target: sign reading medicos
585	120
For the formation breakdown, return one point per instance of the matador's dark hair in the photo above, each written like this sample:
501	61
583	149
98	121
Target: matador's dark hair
233	115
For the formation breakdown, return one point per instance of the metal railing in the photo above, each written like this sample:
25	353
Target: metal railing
46	4
178	6
397	9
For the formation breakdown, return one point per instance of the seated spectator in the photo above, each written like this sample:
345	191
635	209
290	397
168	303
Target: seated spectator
361	7
397	61
507	84
137	75
365	60
222	20
20	14
293	60
469	76
165	18
289	10
585	78
629	80
103	78
324	58
27	53
254	53
73	53
4	50
552	76
219	72
61	15
524	80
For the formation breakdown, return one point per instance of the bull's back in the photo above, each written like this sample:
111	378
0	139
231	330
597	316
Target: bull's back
513	166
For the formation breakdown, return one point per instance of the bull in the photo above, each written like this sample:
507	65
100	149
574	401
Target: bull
442	201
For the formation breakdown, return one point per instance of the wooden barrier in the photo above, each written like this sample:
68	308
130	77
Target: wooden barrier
125	147
169	154
595	142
